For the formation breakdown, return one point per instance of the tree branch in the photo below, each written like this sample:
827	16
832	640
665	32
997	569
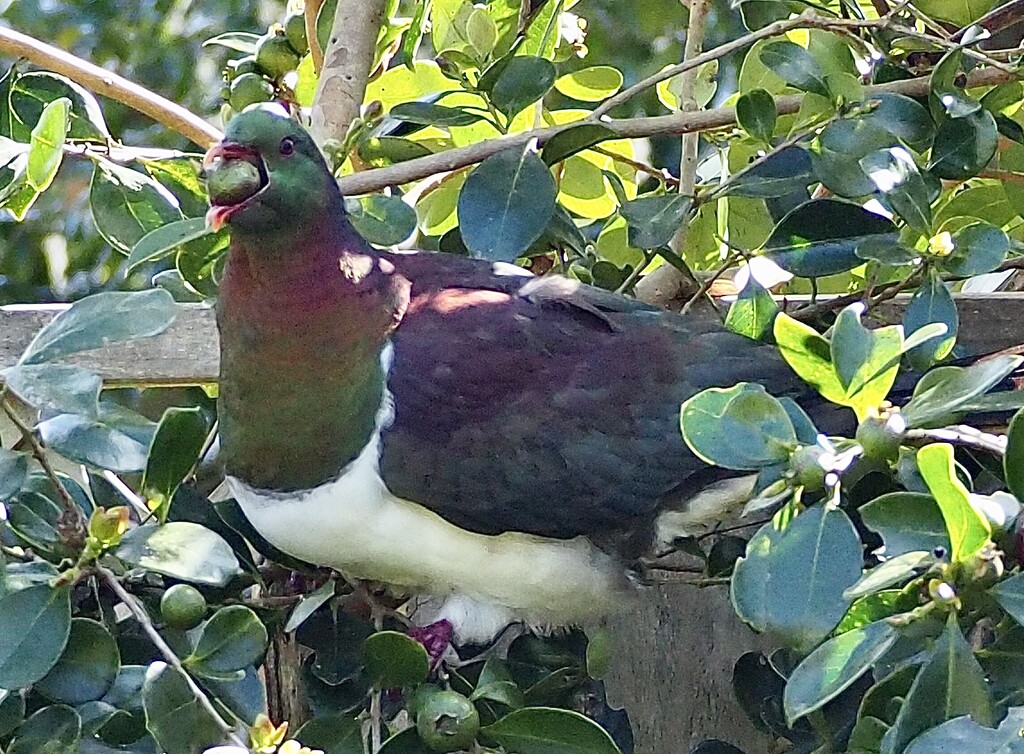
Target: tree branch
346	66
109	84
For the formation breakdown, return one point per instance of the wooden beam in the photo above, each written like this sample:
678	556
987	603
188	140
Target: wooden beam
187	353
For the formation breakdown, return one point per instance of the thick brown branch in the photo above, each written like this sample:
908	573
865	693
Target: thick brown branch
108	84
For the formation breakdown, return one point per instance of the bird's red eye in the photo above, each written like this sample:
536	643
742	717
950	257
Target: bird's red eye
287	145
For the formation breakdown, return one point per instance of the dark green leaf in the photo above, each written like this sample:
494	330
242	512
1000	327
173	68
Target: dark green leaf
791	581
523	81
1013	459
332	734
308	605
752	312
94	443
742	427
380	151
13	471
427	114
51	730
968	529
127	204
175	450
962	734
165	240
653	220
407	741
12	711
964	146
941	394
903	117
87	668
381	220
543	730
174	716
394	660
101	319
821	237
201	262
896	570
796	66
56	387
931	302
756	114
572	140
840	147
833	667
33	91
897	179
34	627
851	344
231	640
950	683
888	251
977	249
47	144
505	204
181	550
783	174
35	517
1010	596
907	522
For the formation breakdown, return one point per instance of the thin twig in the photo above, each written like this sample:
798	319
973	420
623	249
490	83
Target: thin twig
705	286
168	654
793	140
961	435
661	174
109	84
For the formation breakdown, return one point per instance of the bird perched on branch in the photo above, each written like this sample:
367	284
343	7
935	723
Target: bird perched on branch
500	446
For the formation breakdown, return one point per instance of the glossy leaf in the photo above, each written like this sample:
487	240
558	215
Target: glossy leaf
950	683
544	730
239	41
895	570
742	427
92	442
47	143
181	550
332	734
566	143
33	91
394	660
653	220
175	450
1013	459
753	311
906	522
834	666
756	114
790	583
897	179
939	397
34	627
963	146
308	605
505	204
428	114
231	640
56	387
977	249
963	734
165	240
99	320
87	668
796	66
174	716
381	220
902	117
968	530
127	204
13	472
522	81
1010	596
52	730
591	84
931	303
851	345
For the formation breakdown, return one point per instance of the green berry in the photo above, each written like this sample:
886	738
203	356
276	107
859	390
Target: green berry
232	181
447	721
247	64
275	55
183	607
295	32
880	436
248	89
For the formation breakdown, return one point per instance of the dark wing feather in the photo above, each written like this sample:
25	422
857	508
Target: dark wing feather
542	406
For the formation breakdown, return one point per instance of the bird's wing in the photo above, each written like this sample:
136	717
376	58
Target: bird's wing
542	406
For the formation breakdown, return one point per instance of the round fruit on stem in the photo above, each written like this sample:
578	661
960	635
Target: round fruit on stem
183	607
248	89
447	721
295	32
275	55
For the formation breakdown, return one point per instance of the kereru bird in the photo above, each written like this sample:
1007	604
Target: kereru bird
499	445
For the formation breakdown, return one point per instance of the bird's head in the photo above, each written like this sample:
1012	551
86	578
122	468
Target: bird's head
267	175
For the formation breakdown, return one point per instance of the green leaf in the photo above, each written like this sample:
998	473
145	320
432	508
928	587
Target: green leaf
841	146
56	387
964	146
427	114
1013	459
239	41
545	730
449	26
796	66
35	517
522	81
670	90
851	344
394	660
834	666
821	236
897	179
181	550
941	395
896	570
1010	596
783	174
127	204
52	730
809	354
742	427
482	33
906	522
591	84
381	220
950	683
174	716
34	627
931	302
962	734
505	204
791	581
47	144
101	319
753	311
165	240
174	452
572	140
308	605
231	640
968	529
33	91
13	472
653	220
756	114
12	712
332	734
977	249
902	117
87	668
92	442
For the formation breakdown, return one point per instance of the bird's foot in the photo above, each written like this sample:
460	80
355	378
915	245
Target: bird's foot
436	638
